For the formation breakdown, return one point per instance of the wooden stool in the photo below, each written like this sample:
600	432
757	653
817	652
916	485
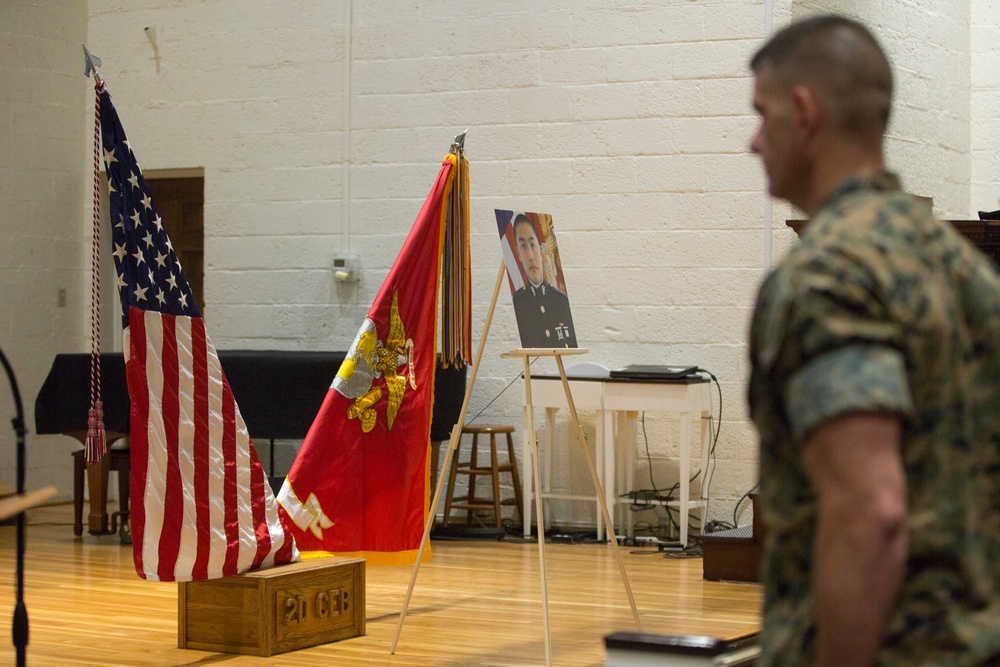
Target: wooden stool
470	502
120	462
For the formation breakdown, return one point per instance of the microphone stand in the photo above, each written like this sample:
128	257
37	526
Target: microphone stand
20	629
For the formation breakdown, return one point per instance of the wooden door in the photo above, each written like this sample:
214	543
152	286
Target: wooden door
180	203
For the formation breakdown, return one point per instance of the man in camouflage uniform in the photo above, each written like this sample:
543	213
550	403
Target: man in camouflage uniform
875	385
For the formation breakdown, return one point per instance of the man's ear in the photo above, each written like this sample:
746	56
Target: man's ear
808	115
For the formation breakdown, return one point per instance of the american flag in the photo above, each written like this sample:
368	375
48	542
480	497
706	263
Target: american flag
201	507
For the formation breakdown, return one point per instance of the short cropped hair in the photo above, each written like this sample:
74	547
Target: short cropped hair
842	62
522	219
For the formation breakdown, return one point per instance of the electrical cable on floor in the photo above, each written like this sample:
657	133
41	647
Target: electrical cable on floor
691	551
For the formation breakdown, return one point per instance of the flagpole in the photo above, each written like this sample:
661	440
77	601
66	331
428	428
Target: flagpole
456	435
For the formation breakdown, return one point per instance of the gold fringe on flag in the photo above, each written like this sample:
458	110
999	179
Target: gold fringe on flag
456	276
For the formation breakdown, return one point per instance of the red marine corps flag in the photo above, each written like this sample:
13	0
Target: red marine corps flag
359	483
201	507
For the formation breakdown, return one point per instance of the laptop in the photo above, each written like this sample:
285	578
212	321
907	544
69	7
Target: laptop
652	372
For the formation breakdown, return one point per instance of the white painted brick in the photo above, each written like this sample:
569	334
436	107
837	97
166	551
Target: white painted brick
536	28
605	28
260	252
414	110
384	40
373	77
271	217
252	50
670	98
671	173
647	62
915	91
604	175
985	9
538	140
40	115
42	190
738	172
738	248
307	286
981	36
988	67
607	323
605	101
541	176
386	146
727	96
288	184
573	66
726	134
476	72
490	178
664	210
288	150
395	180
695	325
710	60
733	20
576	139
673	23
641	136
365	212
381	111
985	106
505	142
688	286
527	105
288	322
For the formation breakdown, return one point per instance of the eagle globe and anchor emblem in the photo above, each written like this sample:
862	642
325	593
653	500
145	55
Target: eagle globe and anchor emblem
368	360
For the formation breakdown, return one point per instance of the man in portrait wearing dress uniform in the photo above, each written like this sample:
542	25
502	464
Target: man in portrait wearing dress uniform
542	311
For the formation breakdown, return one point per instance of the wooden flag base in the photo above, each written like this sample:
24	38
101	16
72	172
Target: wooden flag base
283	608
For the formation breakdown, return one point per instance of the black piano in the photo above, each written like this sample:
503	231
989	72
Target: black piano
279	394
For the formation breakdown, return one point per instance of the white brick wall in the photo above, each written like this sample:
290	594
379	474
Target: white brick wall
627	122
985	104
47	114
928	139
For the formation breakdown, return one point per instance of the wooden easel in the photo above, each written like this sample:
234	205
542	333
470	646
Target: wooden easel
453	443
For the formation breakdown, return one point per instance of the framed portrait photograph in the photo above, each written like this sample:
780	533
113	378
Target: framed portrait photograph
537	284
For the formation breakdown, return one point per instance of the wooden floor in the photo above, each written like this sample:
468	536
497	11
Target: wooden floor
475	603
